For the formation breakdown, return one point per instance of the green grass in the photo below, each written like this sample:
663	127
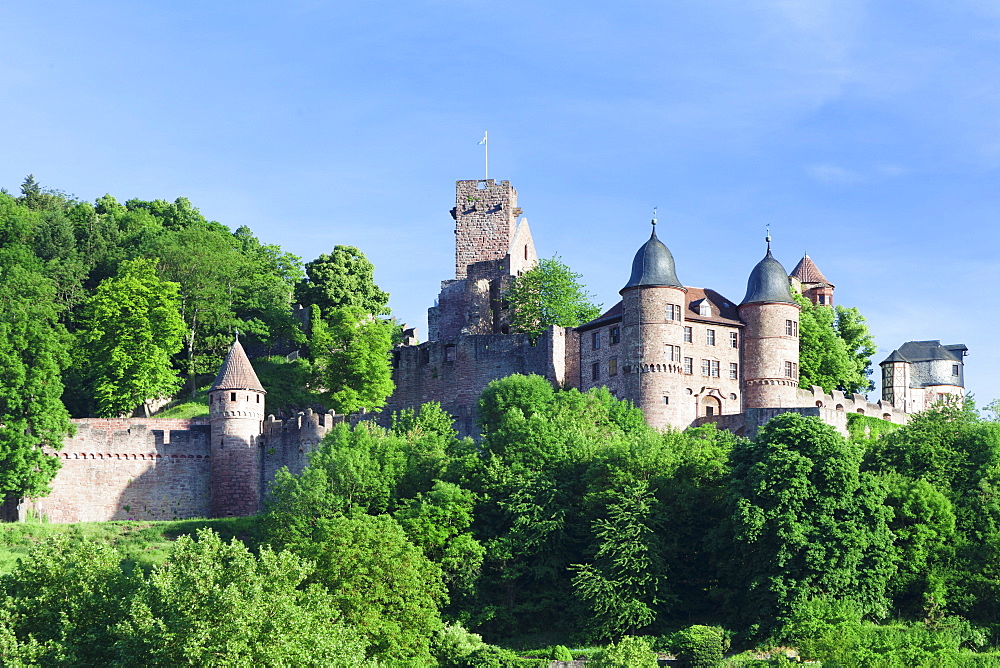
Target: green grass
186	410
143	544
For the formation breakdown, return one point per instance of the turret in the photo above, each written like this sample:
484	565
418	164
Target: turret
653	303
236	409
896	381
770	338
815	287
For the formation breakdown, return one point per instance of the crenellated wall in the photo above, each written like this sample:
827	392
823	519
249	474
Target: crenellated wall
118	469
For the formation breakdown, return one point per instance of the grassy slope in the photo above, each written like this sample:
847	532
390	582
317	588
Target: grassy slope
144	544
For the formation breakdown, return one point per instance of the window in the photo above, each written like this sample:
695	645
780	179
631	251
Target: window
710	337
706	367
673	312
715	368
449	353
595	371
615	335
704	308
595	340
688	365
673	353
734	340
688	335
954	369
734	370
232	396
791	370
822	299
613	366
666	401
791	328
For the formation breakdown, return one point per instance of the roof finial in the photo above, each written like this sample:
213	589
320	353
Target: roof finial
768	237
237	334
654	217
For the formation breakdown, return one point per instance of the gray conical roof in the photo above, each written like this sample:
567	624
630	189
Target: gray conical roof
653	266
236	372
768	282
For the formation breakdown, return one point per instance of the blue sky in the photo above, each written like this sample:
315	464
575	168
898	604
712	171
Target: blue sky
866	134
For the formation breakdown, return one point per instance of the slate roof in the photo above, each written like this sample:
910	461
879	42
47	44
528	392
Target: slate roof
653	265
723	310
768	282
925	351
236	372
807	272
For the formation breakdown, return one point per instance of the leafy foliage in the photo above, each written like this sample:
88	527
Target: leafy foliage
835	348
342	279
549	294
132	327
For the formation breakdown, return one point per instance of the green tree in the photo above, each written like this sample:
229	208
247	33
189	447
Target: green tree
623	586
629	652
804	522
350	352
381	583
549	294
216	604
33	354
833	354
132	328
343	278
66	594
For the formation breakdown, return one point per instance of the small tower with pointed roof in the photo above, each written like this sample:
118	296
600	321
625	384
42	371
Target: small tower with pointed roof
236	409
815	287
653	303
770	338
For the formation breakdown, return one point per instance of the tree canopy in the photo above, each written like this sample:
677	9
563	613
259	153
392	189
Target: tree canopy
549	294
835	348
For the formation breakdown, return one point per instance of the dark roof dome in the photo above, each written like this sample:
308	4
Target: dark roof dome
768	282
653	266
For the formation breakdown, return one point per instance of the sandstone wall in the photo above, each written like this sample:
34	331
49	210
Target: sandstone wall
118	469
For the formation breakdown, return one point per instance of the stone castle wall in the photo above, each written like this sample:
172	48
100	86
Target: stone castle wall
119	469
161	469
454	373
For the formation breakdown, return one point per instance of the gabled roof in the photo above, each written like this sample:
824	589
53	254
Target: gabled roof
236	372
612	315
723	310
807	272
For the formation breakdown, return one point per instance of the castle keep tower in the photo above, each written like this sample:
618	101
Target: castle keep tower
236	410
814	285
485	216
771	337
653	303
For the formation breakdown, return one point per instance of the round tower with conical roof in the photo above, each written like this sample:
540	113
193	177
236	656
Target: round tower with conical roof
653	333
770	338
236	409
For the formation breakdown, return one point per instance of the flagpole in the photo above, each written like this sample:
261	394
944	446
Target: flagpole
486	145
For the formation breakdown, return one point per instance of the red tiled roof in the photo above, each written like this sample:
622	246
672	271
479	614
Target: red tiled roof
807	272
236	372
723	310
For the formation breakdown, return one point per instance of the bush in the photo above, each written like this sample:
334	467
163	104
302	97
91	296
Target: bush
560	653
699	646
629	652
453	644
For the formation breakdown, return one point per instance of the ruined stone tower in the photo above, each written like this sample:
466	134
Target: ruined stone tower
491	247
770	338
653	304
236	410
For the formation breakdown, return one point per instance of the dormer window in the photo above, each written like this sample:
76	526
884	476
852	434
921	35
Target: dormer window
705	308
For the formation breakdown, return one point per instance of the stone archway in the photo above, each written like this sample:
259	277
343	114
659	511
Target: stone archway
710	405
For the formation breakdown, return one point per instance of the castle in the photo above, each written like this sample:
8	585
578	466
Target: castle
684	355
162	469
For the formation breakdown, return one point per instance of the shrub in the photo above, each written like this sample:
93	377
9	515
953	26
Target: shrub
629	652
453	644
560	653
699	646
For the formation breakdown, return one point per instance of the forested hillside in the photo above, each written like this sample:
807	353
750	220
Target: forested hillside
110	308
